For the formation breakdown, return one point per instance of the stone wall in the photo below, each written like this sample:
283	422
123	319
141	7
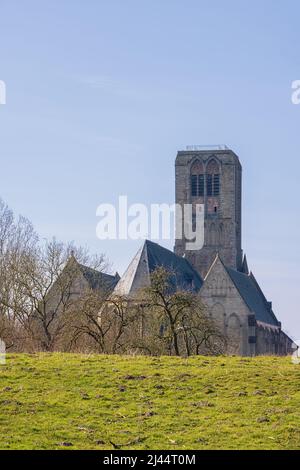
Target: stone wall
271	340
230	313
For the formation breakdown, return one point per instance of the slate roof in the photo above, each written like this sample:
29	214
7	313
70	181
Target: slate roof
253	296
97	279
186	277
148	258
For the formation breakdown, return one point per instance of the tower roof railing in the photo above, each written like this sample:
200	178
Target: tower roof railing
206	147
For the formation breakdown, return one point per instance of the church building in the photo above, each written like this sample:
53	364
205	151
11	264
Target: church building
218	271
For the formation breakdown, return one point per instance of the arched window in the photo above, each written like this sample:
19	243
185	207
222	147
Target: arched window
218	314
234	334
213	286
197	179
212	179
221	234
212	235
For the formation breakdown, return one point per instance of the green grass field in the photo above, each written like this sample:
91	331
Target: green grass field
59	401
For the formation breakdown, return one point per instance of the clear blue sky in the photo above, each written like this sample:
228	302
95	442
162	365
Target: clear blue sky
102	94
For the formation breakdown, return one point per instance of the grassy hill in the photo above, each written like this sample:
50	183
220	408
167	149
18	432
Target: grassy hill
57	401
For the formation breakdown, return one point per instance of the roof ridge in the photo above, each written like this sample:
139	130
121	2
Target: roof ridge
143	250
217	257
252	277
228	270
150	256
254	298
94	270
133	263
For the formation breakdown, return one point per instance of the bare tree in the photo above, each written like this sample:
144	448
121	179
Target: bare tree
88	321
17	241
177	320
46	303
39	284
125	317
52	283
109	320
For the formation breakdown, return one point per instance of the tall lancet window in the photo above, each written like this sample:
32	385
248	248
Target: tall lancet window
212	179
197	179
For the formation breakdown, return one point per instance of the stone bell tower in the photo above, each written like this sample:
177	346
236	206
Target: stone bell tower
212	177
